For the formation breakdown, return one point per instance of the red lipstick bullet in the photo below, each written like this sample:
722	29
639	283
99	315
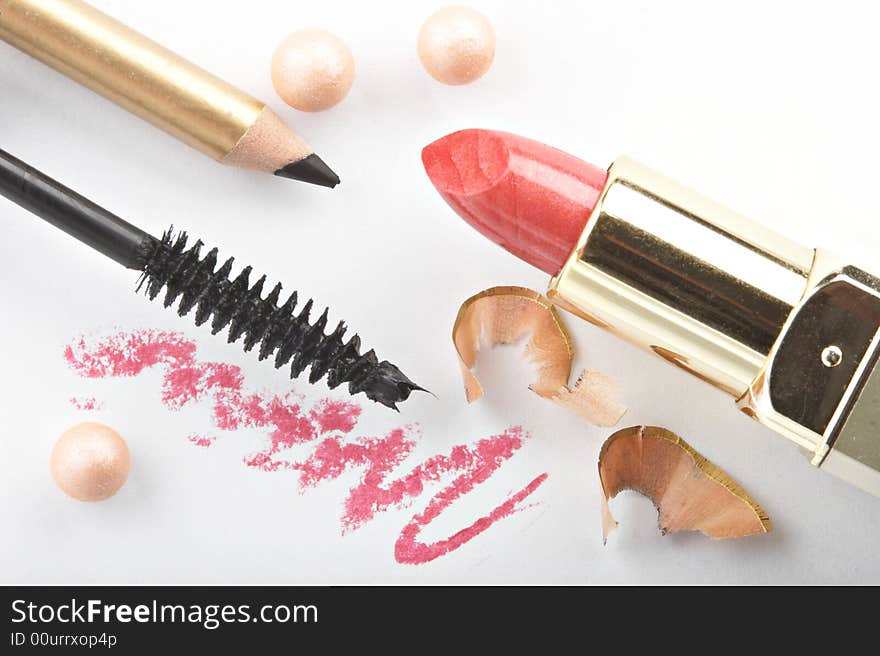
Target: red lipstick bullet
792	333
531	199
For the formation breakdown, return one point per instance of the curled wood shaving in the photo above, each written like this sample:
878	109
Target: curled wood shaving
502	315
595	397
689	492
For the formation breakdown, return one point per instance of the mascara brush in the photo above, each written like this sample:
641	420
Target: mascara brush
186	274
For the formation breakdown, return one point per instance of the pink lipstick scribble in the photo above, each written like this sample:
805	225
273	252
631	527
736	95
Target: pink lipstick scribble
201	440
327	424
86	403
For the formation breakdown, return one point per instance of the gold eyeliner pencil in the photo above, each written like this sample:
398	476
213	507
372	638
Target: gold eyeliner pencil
161	87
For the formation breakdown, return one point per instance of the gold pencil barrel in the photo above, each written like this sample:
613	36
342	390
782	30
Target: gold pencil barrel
131	70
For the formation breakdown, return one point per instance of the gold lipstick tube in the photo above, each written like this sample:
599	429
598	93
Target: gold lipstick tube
790	332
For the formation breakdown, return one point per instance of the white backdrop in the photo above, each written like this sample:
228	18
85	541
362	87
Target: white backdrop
770	107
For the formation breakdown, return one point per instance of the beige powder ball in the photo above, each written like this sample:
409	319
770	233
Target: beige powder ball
312	70
457	45
90	462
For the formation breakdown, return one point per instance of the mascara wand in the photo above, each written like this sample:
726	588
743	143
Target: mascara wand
194	279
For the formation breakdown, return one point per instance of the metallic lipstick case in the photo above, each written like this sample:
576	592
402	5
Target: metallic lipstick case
790	332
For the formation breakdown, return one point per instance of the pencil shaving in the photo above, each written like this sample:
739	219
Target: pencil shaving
689	492
503	315
595	397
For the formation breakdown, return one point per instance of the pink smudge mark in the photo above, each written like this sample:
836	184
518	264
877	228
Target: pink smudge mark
327	424
409	550
201	440
128	354
470	466
86	403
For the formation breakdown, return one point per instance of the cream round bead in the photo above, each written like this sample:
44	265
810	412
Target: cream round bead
312	70
456	45
90	462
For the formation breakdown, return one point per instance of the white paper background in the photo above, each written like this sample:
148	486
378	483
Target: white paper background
770	107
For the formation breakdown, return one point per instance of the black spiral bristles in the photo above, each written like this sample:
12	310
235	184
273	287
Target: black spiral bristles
278	329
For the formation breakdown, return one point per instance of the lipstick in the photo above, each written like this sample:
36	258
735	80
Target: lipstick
792	333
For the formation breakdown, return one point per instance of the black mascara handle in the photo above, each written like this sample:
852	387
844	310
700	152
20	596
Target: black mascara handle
75	215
